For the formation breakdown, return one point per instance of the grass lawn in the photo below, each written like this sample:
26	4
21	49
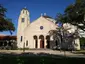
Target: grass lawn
30	58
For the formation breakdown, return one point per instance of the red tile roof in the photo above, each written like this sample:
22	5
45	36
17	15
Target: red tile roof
47	17
2	37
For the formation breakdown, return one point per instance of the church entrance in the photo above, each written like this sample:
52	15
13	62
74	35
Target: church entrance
36	41
41	37
41	43
48	41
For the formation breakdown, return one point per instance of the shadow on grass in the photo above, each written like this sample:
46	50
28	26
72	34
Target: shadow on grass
39	58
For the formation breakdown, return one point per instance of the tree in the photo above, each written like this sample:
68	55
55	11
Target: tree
74	14
5	23
82	41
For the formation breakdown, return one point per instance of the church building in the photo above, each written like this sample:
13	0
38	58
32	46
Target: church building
34	34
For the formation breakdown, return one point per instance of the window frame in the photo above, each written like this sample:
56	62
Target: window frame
21	38
23	19
26	42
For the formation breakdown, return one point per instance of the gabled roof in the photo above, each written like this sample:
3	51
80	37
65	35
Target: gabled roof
47	16
38	20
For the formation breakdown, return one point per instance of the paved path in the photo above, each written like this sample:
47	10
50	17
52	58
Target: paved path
54	52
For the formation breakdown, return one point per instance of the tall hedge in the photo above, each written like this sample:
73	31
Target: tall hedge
82	41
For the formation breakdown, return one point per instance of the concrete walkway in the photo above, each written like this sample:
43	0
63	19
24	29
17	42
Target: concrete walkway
54	52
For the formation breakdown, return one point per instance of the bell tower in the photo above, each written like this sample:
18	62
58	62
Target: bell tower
23	22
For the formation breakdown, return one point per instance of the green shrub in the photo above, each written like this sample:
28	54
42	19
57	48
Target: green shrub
82	41
22	48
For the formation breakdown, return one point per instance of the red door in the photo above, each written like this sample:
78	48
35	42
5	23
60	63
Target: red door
41	43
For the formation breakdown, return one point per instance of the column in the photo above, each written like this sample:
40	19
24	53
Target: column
38	43
45	43
34	43
77	44
7	43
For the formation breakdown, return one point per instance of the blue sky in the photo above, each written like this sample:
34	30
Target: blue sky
35	7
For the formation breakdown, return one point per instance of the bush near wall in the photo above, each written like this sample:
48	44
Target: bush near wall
82	41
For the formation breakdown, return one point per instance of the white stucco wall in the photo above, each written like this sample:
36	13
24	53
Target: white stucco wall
21	26
27	30
34	29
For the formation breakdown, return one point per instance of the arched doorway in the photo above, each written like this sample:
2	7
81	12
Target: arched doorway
41	37
36	41
48	41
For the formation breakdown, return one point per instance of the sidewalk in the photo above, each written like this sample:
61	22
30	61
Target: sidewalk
54	52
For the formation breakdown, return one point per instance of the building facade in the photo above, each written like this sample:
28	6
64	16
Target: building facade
35	34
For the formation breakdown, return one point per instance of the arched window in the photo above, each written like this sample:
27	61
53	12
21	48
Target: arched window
21	38
48	37
27	43
35	37
41	37
26	12
23	11
23	20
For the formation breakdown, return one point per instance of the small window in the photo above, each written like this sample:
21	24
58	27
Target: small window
23	20
41	27
21	38
26	43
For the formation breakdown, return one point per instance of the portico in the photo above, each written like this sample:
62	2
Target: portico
41	41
